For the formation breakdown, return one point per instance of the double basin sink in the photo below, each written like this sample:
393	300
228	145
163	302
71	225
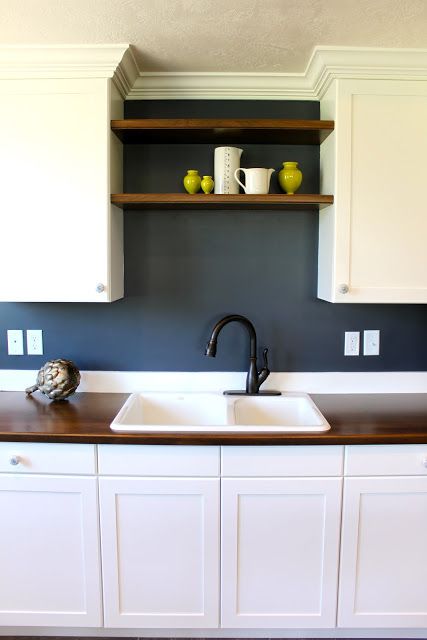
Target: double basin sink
217	413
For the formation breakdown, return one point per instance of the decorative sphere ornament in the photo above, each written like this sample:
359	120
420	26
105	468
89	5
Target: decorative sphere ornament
57	379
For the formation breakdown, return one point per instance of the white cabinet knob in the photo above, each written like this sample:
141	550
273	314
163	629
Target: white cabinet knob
14	460
100	288
343	288
425	461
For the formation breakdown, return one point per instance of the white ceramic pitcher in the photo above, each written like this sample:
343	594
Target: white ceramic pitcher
257	180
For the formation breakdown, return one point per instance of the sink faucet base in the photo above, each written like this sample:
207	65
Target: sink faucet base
254	378
234	392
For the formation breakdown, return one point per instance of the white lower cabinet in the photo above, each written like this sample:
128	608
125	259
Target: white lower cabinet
163	511
280	544
49	540
160	543
384	538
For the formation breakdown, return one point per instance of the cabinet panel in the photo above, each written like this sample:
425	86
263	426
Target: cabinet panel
280	540
160	552
36	457
155	460
49	553
403	459
384	553
282	461
372	239
54	159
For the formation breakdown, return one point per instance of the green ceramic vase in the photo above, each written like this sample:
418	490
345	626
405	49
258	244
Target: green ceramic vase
290	177
192	181
207	184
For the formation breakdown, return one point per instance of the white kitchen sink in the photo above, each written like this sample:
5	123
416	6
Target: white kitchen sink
216	413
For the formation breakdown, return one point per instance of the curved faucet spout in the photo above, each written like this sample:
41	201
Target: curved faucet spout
211	346
254	379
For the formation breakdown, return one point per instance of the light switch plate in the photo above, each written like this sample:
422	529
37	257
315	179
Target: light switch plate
371	342
15	342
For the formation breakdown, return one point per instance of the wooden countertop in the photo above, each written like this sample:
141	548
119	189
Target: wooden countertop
85	417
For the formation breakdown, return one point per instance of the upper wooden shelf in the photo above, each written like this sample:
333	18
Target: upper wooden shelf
202	202
216	131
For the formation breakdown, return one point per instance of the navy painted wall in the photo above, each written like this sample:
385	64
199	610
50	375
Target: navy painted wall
184	270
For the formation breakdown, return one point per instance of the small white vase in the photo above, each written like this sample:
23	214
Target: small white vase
227	160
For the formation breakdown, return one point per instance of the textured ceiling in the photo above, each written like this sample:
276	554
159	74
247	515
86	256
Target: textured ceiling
221	35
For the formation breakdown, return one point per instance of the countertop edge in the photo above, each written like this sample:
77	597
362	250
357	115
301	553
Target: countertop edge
86	418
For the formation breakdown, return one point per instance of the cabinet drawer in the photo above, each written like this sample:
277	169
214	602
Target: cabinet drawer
34	457
161	460
383	460
282	461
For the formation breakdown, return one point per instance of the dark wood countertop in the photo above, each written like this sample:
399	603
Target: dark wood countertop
85	417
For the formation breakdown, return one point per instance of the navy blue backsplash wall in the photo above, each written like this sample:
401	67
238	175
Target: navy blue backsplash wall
184	270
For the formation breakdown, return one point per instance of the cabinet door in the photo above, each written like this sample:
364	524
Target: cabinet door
384	553
61	239
372	240
160	551
280	548
49	551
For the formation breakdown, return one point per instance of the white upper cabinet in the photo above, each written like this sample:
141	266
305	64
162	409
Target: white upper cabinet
372	240
61	238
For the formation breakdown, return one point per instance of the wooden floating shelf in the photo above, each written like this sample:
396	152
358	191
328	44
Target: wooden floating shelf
202	202
222	131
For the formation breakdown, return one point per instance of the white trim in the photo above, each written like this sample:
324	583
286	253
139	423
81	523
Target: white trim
118	62
221	86
324	65
301	633
315	382
370	63
70	61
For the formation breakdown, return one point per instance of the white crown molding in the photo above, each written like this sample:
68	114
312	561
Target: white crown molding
221	86
315	382
68	61
325	65
369	63
126	73
118	62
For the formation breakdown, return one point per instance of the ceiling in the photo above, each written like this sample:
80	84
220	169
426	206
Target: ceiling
221	35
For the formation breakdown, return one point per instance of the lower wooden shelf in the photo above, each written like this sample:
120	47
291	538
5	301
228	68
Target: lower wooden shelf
202	202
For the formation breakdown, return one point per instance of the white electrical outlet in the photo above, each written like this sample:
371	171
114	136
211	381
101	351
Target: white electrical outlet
352	343
371	342
15	342
34	342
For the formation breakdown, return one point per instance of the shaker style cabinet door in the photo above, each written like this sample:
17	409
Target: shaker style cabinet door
62	240
384	553
372	239
160	552
280	545
49	551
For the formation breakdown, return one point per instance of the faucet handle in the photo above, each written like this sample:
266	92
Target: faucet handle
265	371
264	356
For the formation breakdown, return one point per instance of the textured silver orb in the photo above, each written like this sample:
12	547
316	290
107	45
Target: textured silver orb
57	379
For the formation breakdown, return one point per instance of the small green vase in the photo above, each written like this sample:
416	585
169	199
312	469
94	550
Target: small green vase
192	181
207	184
290	177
